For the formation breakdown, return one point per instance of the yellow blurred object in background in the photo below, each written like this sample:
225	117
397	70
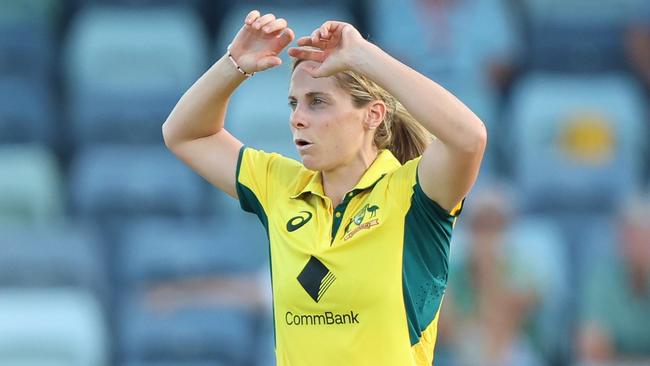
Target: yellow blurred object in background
588	138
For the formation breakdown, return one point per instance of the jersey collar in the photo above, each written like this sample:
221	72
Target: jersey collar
383	164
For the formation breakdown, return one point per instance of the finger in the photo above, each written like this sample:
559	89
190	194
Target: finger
251	17
264	20
286	37
315	70
334	30
304	41
307	41
318	36
315	36
333	26
307	54
274	26
324	30
268	62
316	41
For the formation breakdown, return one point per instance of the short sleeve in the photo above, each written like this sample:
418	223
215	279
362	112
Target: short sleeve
261	177
427	237
404	185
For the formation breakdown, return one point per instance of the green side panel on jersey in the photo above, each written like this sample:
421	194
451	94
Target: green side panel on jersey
427	233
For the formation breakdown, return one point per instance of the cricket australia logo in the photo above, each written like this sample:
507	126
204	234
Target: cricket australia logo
316	279
357	223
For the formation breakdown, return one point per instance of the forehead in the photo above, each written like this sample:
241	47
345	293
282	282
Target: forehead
303	83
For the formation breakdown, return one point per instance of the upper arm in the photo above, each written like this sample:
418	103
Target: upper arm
213	157
446	175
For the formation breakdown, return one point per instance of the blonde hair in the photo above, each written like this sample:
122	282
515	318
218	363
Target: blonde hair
399	132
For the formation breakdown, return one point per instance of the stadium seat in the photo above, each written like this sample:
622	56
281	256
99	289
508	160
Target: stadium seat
56	255
585	48
37	11
159	251
46	327
31	185
589	38
108	182
225	334
173	363
580	11
258	113
127	67
26	38
29	115
141	3
162	248
576	142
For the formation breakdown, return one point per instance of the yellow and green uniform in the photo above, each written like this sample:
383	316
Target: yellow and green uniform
356	284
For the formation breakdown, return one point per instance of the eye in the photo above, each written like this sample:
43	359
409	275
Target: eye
292	104
317	101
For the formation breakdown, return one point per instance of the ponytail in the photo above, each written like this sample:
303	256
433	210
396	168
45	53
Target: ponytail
406	137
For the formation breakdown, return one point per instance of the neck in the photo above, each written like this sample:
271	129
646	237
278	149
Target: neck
340	180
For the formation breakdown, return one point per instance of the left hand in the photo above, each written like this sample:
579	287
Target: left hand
334	46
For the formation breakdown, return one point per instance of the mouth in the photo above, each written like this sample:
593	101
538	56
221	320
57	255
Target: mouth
302	144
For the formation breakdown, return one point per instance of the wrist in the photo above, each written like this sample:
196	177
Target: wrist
361	60
227	72
235	64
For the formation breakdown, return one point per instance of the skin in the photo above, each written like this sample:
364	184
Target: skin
342	135
450	164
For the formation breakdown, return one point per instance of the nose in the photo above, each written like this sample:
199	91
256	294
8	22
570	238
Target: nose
297	119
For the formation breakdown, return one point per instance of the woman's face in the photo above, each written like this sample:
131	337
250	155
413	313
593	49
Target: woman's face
327	129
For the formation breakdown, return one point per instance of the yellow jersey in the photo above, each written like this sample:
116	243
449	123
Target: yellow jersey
356	284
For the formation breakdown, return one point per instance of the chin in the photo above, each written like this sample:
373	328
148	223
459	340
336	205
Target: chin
311	163
315	162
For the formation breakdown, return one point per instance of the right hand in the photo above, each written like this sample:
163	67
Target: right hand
259	42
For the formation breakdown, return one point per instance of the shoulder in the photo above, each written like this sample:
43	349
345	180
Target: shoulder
258	163
403	184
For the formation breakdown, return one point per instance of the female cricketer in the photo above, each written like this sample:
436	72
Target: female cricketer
359	230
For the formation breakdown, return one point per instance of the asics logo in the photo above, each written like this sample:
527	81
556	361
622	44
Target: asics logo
297	222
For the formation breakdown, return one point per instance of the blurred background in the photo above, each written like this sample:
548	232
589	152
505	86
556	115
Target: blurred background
113	253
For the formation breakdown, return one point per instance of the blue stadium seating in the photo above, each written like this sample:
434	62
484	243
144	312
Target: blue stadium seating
218	333
29	115
31	185
581	11
163	248
40	327
26	38
125	69
89	236
160	251
113	181
588	38
174	363
55	255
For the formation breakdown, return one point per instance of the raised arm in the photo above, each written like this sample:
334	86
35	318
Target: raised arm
194	130
450	164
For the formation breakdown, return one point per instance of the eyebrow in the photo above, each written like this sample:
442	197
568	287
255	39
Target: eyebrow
312	94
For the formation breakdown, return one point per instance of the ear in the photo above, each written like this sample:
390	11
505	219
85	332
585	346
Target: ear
375	113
